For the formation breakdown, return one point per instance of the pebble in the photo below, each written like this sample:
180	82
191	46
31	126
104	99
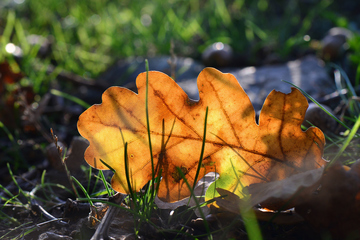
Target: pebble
334	44
317	117
217	55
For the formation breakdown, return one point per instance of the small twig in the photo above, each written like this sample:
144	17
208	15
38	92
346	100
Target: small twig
101	232
63	159
39	210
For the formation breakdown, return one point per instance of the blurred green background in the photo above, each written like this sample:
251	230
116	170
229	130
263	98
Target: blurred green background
87	36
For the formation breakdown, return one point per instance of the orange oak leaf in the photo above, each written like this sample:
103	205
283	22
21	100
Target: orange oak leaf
236	147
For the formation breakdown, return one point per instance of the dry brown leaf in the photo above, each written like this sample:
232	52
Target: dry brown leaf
335	207
241	151
232	203
286	193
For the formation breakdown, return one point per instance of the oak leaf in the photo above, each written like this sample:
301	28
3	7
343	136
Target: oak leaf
240	150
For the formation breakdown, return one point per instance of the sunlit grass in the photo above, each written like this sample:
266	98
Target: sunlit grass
90	36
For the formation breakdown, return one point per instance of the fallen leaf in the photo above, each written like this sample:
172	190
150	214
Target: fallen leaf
285	194
241	151
335	207
232	203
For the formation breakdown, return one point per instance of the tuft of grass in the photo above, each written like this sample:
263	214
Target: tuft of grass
109	191
21	191
347	141
197	204
83	190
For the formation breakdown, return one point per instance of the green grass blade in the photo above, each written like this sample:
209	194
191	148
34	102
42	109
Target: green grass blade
6	191
9	201
9	27
9	218
247	213
14	229
109	192
23	234
346	142
128	179
202	149
48	185
148	124
345	76
70	97
99	193
108	166
357	77
83	189
20	33
207	228
317	103
17	184
95	184
43	184
8	133
89	179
